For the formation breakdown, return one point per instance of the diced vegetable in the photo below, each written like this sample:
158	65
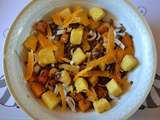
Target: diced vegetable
46	56
113	88
81	85
65	77
76	36
84	105
65	13
29	67
78	56
31	42
103	28
101	105
128	63
93	80
57	19
85	43
44	42
59	53
37	89
50	99
92	96
97	13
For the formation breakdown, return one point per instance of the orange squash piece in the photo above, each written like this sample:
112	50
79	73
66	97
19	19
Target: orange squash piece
85	44
57	19
37	89
30	64
31	42
127	41
44	42
103	28
59	53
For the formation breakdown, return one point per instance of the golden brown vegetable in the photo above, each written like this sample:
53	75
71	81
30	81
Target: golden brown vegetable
31	42
84	105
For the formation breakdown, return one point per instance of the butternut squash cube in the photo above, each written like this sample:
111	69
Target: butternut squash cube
78	56
81	85
128	63
46	56
96	13
76	36
31	42
101	105
113	88
50	99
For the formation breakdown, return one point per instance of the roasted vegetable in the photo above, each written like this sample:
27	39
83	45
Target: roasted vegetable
128	63
29	67
65	77
84	105
76	36
113	88
65	13
96	13
81	85
93	80
46	56
104	27
70	68
50	99
101	105
31	42
37	89
78	56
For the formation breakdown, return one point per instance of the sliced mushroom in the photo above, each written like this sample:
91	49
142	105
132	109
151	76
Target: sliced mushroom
60	31
119	43
93	35
71	103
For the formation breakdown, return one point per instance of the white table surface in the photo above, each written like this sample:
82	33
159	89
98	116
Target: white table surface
9	9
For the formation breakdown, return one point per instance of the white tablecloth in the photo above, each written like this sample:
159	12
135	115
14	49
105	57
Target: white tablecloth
9	9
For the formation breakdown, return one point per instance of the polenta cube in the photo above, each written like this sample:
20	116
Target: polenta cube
65	13
101	105
31	42
76	36
78	56
65	77
50	99
81	85
113	88
96	13
128	63
46	56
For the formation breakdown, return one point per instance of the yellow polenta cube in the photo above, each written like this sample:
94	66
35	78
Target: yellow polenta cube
81	84
113	88
96	13
101	105
128	63
65	13
50	99
65	77
76	36
46	56
78	56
